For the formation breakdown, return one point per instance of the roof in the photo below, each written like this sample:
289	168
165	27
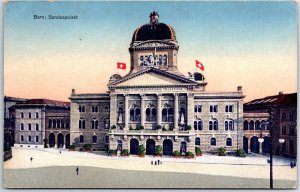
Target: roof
47	102
157	31
280	99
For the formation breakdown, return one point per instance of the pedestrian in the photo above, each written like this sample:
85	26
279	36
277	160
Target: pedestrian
294	164
291	164
155	163
158	162
151	162
31	159
77	170
59	152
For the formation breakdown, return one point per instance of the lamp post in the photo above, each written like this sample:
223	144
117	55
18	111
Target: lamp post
271	123
281	141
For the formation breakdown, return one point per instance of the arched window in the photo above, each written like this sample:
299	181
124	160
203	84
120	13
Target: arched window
148	114
164	115
67	124
213	141
29	127
292	130
197	141
50	123
37	139
153	114
36	126
81	139
170	115
36	115
228	142
95	124
195	125
54	123
226	125
29	115
257	125
22	126
131	114
21	115
231	125
94	138
81	124
58	123
22	138
283	131
215	123
29	138
210	125
251	125
246	125
263	126
137	114
199	125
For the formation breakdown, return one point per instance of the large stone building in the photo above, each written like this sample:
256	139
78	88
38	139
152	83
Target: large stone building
284	107
39	119
155	104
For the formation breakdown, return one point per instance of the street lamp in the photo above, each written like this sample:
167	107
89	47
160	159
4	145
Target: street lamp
271	123
281	141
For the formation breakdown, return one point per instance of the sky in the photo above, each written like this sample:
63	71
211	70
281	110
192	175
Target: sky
252	44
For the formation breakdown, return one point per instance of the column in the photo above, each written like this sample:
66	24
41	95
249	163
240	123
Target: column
190	110
260	147
249	146
143	113
126	112
158	109
176	115
113	110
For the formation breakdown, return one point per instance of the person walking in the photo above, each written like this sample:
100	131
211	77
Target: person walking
291	164
158	162
31	159
77	170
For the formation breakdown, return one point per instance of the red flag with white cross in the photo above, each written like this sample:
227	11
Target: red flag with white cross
121	65
199	65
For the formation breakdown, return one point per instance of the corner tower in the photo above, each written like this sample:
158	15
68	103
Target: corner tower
154	45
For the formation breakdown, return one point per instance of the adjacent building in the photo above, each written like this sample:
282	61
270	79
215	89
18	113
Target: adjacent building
284	107
40	119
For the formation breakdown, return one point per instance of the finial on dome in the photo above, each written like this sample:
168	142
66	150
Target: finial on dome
154	17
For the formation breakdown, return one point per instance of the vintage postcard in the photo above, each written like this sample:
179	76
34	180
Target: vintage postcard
170	94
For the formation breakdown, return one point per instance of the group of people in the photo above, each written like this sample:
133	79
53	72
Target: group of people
293	164
156	162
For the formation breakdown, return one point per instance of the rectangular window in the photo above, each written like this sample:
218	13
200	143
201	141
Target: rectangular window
36	138
29	115
22	115
81	109
198	108
231	108
215	108
37	115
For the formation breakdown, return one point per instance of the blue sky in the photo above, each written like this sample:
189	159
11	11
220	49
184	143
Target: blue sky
241	36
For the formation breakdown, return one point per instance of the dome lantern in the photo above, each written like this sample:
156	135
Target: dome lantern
154	17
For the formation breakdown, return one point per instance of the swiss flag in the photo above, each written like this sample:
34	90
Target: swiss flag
199	65
121	65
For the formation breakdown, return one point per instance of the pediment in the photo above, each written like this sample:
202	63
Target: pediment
152	78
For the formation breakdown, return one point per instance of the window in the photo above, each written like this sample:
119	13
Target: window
246	125
67	124
198	125
29	127
106	123
22	138
58	123
81	139
257	125
229	125
22	126
81	108
213	141
228	142
21	115
50	123
291	115
36	115
106	109
36	126
36	138
251	125
283	115
197	141
29	138
213	108
198	108
228	108
29	115
95	108
54	123
167	114
213	124
95	124
94	139
292	130
81	124
135	114
151	114
283	131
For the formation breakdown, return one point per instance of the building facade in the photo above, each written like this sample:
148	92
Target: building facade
155	104
31	122
284	107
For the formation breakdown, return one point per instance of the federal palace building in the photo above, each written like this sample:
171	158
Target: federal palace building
155	104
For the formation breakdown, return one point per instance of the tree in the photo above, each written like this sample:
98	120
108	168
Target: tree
159	150
141	150
45	143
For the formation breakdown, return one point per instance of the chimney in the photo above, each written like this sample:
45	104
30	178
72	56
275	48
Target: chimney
73	91
280	93
239	88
